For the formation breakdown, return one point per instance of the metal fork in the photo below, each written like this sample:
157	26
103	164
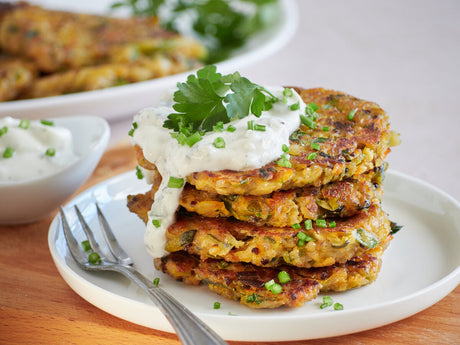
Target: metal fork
190	329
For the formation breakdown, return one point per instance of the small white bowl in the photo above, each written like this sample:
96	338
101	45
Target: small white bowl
25	202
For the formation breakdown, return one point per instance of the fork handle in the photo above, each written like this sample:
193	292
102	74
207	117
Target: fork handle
190	329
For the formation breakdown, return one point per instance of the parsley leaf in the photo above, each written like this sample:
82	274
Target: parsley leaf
208	99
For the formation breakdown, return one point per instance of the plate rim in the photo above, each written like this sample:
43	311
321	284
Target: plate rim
433	292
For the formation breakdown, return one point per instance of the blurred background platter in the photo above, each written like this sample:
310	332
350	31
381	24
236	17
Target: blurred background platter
124	101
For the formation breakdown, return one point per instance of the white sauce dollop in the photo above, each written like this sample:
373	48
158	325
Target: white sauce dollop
28	149
244	150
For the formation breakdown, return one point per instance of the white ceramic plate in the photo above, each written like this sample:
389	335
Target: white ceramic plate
420	267
126	100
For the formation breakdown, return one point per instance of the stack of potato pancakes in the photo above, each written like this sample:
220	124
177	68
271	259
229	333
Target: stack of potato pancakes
281	234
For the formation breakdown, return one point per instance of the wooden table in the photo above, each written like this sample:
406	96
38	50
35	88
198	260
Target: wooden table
38	307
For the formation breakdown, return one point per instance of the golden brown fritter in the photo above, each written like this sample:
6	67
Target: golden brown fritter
246	283
104	76
16	77
337	241
349	147
281	208
284	208
57	40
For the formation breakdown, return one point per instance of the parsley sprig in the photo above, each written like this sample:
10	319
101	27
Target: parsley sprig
209	99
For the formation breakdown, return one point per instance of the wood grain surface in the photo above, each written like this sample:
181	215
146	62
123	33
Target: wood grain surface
38	307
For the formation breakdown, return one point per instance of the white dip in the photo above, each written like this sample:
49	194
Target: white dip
31	149
244	150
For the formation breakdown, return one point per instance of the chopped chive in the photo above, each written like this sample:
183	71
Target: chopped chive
276	289
352	113
304	237
139	173
308	224
219	127
94	258
86	246
313	106
258	127
327	302
288	92
175	182
231	128
216	305
301	243
296	226
284	162
295	106
284	277
156	223
285	148
315	146
311	155
47	123
325	129
219	143
321	223
193	139
51	152
8	152
307	121
156	281
251	125
332	224
24	124
131	131
3	130
338	306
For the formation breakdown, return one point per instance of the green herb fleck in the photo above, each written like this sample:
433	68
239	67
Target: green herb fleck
24	124
311	155
86	246
51	152
284	277
156	281
139	173
327	302
216	305
47	123
8	153
338	306
94	258
156	223
219	143
351	114
321	223
175	182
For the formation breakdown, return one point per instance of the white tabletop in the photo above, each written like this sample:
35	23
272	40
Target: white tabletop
403	55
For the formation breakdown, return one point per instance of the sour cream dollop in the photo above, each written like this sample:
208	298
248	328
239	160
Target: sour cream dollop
33	149
245	149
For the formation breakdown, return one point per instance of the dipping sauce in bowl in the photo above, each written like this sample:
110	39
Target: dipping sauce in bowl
33	149
43	162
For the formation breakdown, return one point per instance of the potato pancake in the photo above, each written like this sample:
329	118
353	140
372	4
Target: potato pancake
326	243
246	283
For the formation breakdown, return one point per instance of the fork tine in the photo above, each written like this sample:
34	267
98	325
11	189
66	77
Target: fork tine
89	234
72	243
112	242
